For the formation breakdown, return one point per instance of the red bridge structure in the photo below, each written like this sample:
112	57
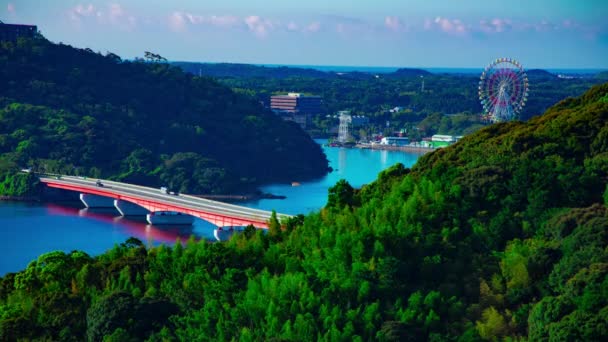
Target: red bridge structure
154	200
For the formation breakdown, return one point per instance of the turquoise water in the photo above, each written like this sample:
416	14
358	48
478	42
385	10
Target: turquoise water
357	166
30	229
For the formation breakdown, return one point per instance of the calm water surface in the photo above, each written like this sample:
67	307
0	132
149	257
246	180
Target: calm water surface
28	230
357	166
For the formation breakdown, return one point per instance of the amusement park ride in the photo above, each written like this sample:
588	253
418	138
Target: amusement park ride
503	90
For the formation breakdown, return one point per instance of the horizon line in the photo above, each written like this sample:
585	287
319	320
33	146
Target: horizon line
325	66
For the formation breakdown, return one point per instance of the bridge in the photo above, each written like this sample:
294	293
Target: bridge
153	200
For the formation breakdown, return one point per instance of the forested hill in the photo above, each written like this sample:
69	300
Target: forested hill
248	70
500	237
70	110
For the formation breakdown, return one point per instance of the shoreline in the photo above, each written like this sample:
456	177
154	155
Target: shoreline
21	198
415	149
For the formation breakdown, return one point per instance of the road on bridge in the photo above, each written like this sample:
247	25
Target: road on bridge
183	203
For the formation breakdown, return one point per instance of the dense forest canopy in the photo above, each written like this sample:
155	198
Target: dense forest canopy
69	110
501	236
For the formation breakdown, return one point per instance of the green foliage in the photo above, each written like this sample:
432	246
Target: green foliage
15	184
341	195
448	105
501	236
72	111
492	325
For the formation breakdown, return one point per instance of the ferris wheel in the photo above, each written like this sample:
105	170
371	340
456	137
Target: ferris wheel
503	90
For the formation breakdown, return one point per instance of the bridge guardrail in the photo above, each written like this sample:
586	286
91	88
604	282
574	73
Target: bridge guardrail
184	199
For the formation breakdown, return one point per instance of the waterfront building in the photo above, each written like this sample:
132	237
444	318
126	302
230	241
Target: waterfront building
296	107
10	32
395	141
440	140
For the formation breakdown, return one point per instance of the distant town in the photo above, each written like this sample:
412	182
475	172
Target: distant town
349	130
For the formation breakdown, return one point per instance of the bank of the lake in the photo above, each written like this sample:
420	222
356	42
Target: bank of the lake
28	229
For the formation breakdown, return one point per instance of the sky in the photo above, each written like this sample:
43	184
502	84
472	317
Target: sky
391	33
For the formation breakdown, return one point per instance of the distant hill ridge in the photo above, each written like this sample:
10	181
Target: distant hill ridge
411	72
540	73
239	70
248	70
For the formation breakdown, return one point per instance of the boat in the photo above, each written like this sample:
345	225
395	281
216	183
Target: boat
295	184
169	218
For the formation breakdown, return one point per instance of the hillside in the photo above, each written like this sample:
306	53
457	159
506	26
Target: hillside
602	76
74	111
409	72
501	236
248	70
540	74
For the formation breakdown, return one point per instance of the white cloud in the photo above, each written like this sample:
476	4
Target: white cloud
313	27
428	24
258	25
496	25
452	26
393	23
81	11
181	21
177	21
118	16
447	25
11	8
114	14
214	20
223	20
291	26
116	11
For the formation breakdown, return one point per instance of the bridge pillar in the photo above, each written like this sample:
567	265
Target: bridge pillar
95	201
129	209
225	233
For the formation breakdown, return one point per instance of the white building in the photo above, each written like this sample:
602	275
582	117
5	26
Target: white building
395	141
446	138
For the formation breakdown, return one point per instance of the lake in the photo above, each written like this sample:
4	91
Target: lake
30	229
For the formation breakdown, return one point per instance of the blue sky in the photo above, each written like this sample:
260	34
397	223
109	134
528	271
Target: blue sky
414	33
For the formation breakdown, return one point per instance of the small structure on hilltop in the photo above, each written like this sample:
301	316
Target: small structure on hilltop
10	32
395	141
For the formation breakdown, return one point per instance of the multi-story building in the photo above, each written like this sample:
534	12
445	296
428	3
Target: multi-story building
296	107
10	32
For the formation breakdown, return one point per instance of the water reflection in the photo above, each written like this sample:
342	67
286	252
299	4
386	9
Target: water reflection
357	166
342	155
134	226
384	158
